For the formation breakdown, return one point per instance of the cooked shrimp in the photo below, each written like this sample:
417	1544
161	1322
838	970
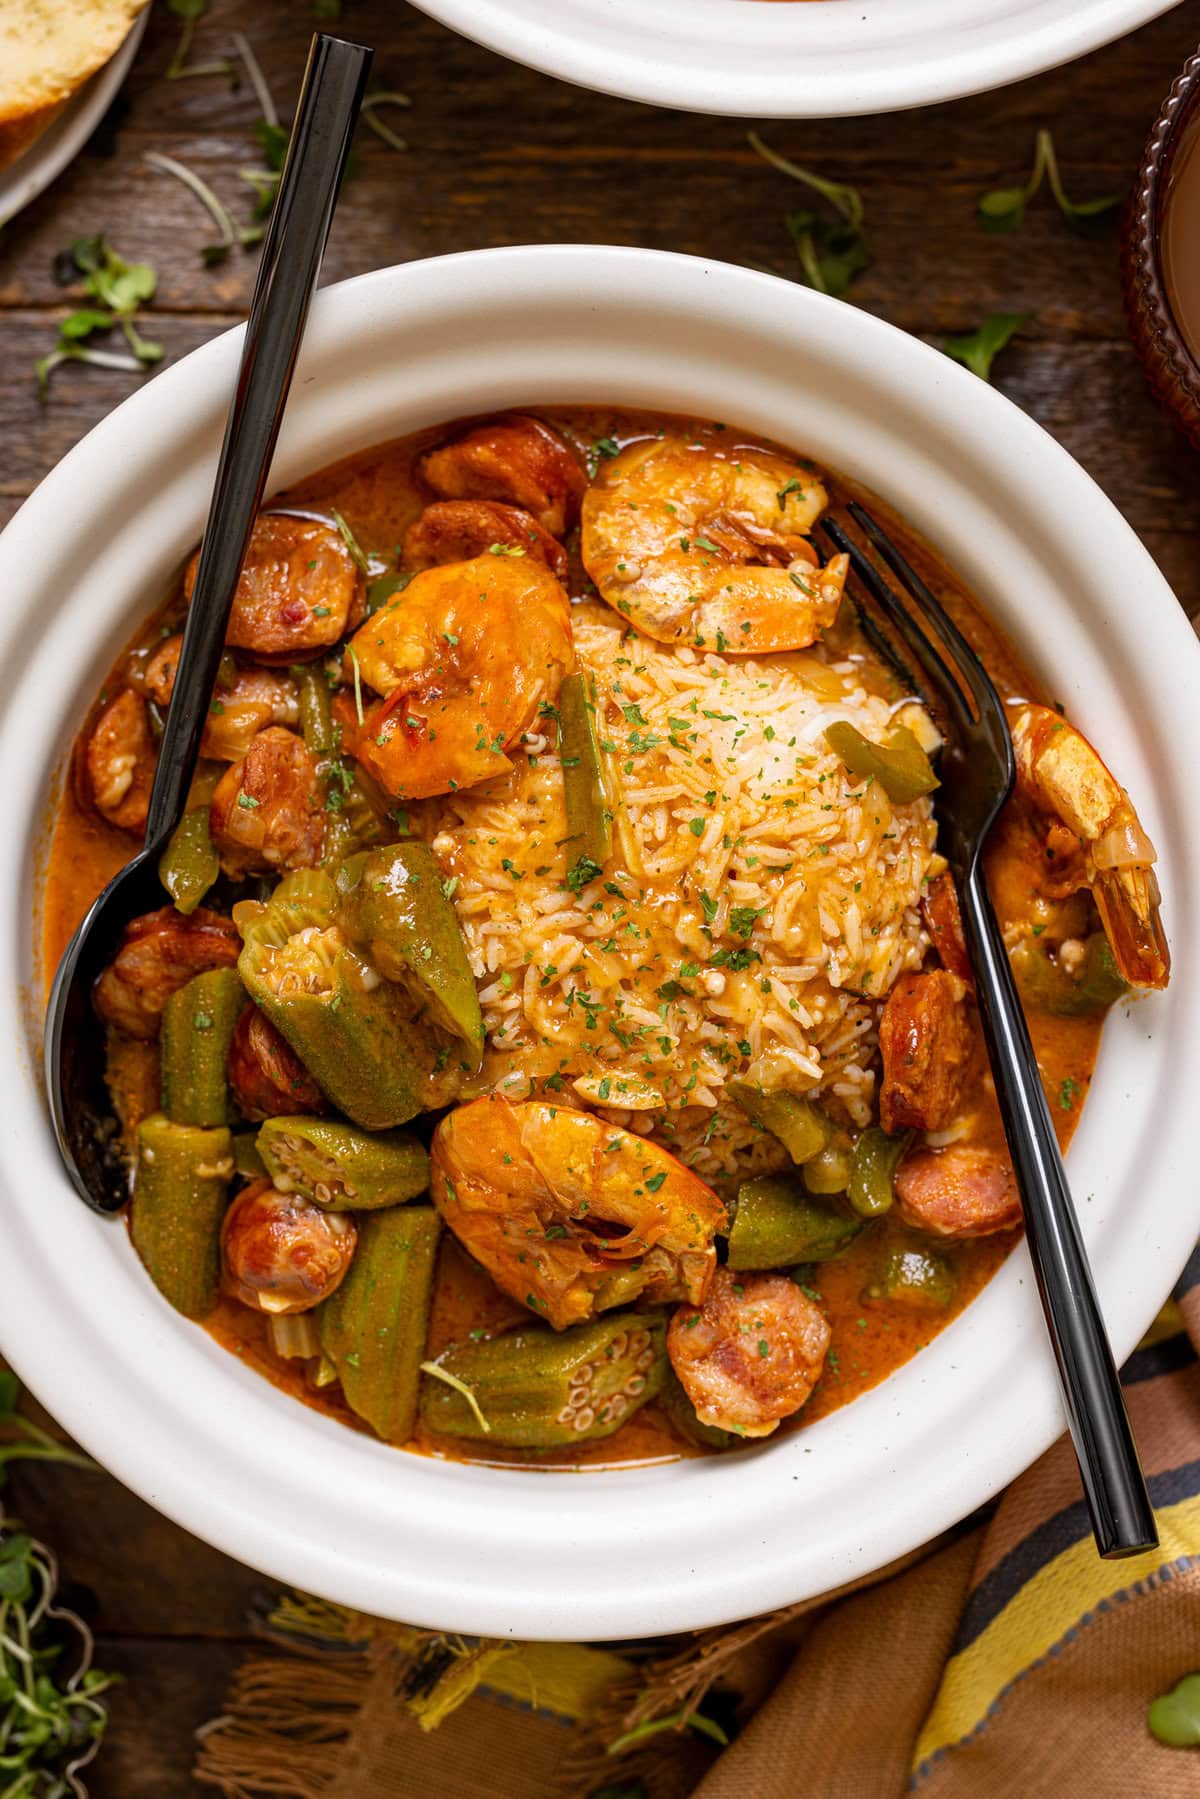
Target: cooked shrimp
159	953
267	810
283	1254
299	591
571	1215
245	701
456	530
517	459
943	921
1062	775
695	545
925	1044
963	1191
267	1077
752	1354
463	657
119	760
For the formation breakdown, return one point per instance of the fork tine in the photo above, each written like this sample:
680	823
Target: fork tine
943	684
979	682
878	639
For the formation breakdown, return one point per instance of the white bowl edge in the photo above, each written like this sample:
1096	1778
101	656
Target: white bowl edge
790	61
688	1544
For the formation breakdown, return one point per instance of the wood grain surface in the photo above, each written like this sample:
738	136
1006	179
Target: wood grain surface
499	155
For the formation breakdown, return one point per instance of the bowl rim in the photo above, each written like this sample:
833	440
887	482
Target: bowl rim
502	1552
796	61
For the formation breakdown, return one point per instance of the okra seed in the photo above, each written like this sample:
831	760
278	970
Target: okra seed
638	1341
645	1360
618	1405
583	1420
619	1343
634	1385
578	1395
566	1416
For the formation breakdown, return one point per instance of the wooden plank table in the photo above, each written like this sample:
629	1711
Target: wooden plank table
499	155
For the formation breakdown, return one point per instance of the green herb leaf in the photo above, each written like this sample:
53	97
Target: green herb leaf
830	254
83	322
1004	208
583	871
273	140
979	348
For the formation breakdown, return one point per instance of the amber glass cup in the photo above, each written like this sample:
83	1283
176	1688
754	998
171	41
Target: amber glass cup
1172	368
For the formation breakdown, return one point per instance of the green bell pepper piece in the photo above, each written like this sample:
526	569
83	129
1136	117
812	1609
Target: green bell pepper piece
900	765
875	1160
536	1388
915	1276
351	823
197	1029
585	787
830	1169
801	1127
776	1225
180	1187
336	1166
316	718
395	907
1088	989
373	1327
189	865
682	1414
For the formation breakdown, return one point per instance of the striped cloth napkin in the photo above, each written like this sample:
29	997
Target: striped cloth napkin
1006	1660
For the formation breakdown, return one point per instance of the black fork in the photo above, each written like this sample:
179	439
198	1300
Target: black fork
977	771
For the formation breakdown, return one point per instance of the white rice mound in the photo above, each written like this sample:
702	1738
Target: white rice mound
759	906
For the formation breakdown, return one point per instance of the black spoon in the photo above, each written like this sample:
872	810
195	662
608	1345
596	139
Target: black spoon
330	97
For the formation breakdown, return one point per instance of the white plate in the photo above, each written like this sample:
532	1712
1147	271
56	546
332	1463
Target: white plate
792	59
680	1545
50	153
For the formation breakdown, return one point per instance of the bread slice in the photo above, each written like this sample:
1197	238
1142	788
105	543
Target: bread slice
48	48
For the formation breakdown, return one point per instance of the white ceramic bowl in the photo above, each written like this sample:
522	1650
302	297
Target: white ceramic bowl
678	1545
794	61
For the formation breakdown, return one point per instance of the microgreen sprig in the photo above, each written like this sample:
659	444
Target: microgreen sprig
230	233
1003	209
30	1442
680	1720
51	1718
831	252
979	348
118	289
190	12
385	97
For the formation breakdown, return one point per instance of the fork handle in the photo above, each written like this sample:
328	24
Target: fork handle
1114	1485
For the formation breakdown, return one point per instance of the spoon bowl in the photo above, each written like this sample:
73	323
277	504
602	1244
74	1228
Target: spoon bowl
330	98
80	1106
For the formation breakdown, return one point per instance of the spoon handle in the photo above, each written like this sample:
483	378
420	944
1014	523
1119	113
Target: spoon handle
330	98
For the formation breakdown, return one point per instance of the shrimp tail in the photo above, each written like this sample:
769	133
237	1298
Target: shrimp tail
1127	901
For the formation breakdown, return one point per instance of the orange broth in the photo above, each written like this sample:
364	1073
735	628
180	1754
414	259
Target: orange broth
379	495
